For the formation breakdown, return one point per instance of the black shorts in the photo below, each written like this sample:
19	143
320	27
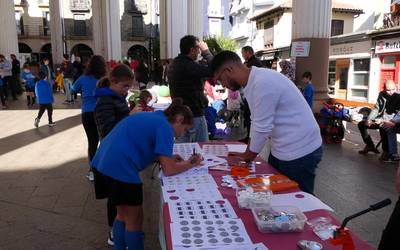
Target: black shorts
118	192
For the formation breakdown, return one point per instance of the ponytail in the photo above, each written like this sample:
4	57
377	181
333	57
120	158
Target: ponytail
103	82
177	108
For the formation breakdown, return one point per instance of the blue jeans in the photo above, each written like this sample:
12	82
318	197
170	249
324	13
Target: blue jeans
301	170
68	89
392	139
198	133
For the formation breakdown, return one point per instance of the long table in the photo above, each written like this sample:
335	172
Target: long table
274	241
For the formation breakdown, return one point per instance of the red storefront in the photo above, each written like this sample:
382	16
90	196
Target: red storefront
388	51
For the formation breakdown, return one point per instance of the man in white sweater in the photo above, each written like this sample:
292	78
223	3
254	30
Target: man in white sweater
278	111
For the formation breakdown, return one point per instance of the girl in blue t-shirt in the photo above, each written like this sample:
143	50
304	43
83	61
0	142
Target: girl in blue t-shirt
124	152
29	80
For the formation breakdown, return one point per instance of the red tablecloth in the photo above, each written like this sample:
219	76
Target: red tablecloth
276	241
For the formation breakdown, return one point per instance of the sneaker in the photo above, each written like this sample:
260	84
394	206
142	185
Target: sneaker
90	176
37	122
391	159
110	240
52	124
368	149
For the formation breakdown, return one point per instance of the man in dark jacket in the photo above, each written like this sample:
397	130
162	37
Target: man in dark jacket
384	104
185	77
16	71
250	58
68	72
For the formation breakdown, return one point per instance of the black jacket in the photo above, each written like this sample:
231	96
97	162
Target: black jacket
385	103
186	77
110	109
253	61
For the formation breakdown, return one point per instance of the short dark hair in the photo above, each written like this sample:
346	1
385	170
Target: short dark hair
177	108
224	57
307	74
42	75
66	56
2	56
186	43
248	49
96	67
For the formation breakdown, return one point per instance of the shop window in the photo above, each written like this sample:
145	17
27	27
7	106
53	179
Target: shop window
389	62
337	27
332	77
360	85
343	77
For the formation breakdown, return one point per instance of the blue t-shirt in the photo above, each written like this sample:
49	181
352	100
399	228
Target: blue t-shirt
87	86
309	94
44	92
29	79
133	144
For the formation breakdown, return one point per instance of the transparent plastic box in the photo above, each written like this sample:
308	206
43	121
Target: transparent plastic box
279	219
248	198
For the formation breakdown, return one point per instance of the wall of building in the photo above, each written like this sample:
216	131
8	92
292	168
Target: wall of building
282	30
348	21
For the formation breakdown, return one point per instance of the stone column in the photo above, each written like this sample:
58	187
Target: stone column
56	29
106	29
173	26
9	39
312	22
195	18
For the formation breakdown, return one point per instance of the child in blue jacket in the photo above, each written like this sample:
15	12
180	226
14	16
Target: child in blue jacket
29	80
45	97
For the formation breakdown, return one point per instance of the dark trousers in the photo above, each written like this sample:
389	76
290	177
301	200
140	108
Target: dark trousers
364	133
92	135
42	108
301	170
390	236
2	96
9	87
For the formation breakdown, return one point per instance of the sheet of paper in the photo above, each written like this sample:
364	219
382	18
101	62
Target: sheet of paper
201	210
212	160
304	201
185	150
209	233
189	187
258	246
215	149
240	148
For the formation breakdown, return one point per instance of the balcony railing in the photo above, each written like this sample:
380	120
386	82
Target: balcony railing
78	31
33	31
391	20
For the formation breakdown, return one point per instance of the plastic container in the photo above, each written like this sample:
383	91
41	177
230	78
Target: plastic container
249	198
279	219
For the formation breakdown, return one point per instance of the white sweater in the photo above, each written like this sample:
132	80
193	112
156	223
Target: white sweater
280	112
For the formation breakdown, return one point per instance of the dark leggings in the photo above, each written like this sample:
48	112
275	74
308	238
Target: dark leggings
2	96
111	212
49	108
89	125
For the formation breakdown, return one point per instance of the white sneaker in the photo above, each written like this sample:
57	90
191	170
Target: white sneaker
90	176
36	123
110	240
52	124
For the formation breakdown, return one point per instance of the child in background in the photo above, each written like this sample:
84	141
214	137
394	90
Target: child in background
308	89
29	80
144	99
44	93
59	80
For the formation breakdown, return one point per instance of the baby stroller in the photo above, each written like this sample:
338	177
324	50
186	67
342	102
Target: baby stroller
331	122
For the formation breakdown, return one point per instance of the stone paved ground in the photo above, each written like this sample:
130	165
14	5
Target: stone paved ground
47	203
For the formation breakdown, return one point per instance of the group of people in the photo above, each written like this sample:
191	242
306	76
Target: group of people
9	79
385	117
